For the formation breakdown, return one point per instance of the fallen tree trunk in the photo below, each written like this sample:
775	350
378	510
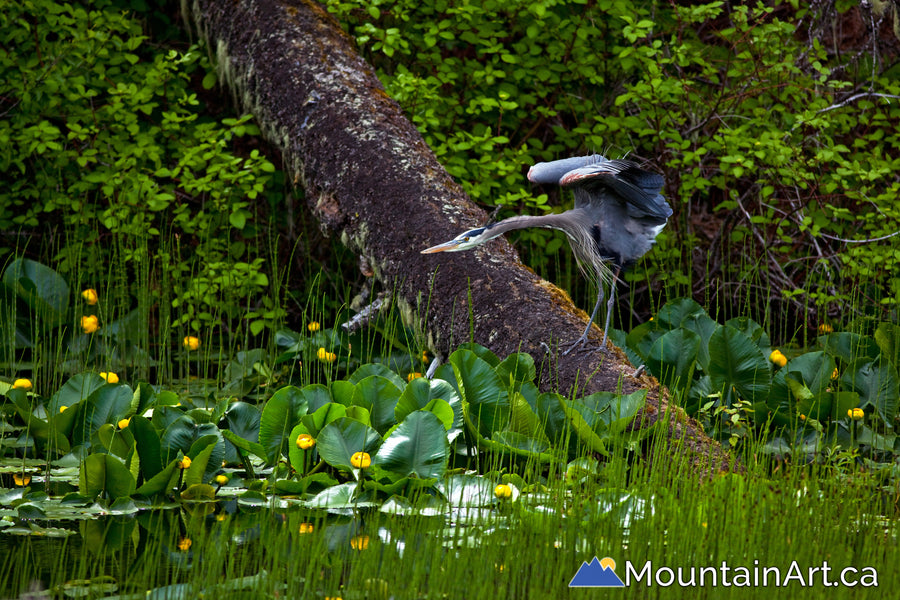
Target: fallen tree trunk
370	178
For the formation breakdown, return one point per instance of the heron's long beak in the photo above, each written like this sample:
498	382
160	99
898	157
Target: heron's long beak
451	245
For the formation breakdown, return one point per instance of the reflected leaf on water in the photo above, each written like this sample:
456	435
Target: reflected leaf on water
36	530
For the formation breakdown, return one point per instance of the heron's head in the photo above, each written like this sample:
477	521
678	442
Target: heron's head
464	241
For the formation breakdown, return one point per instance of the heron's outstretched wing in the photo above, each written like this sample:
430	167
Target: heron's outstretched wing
551	172
638	189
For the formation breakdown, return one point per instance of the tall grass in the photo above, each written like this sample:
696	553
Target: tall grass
763	518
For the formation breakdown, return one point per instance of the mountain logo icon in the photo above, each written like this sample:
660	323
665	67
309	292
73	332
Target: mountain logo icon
597	573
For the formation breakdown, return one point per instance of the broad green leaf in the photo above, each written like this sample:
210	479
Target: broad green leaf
338	496
148	446
379	396
421	392
376	369
736	363
281	414
416	447
107	404
77	388
517	367
641	338
109	438
887	336
317	396
340	440
42	289
672	356
677	312
322	417
341	392
482	353
520	444
198	492
201	455
248	447
849	347
105	474
575	415
485	395
242	419
524	420
876	383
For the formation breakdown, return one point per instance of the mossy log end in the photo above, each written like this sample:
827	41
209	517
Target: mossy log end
371	179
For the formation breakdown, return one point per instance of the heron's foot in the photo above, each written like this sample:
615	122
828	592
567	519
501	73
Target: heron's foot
639	371
581	344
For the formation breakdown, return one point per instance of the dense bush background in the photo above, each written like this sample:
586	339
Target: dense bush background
776	125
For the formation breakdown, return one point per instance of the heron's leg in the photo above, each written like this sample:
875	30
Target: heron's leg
609	305
584	336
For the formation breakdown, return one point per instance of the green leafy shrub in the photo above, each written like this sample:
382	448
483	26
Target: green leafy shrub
103	137
778	143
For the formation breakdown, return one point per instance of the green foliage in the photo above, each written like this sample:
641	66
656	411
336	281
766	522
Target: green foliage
103	136
158	442
724	375
777	143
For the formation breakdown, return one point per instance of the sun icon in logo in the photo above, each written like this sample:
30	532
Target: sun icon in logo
608	563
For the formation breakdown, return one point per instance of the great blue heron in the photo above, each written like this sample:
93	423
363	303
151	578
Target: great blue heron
618	214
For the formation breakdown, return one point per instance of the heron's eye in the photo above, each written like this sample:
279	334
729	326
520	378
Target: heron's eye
466	239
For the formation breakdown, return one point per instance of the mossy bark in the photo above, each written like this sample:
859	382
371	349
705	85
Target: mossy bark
371	179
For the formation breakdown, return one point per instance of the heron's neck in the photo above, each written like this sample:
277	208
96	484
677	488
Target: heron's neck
561	221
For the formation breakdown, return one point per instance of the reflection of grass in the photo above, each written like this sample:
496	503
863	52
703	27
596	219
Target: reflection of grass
530	549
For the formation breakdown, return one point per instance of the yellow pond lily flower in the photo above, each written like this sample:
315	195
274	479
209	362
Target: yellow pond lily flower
305	441
124	423
326	356
21	479
185	462
503	491
825	328
412	376
190	342
778	358
90	323
90	296
109	377
313	327
22	384
361	460
856	414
